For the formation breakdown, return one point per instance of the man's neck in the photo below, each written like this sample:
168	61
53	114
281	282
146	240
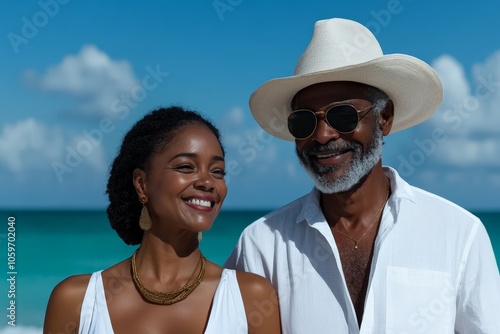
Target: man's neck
353	205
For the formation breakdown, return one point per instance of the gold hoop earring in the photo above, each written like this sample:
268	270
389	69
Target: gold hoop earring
145	220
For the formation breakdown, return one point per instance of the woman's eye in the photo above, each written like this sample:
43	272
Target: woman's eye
219	173
184	168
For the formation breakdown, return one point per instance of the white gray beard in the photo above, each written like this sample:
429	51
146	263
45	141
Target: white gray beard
360	166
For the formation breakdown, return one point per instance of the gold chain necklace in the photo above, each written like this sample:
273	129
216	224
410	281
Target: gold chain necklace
168	298
356	241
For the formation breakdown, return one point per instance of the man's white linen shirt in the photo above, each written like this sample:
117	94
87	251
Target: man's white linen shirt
433	268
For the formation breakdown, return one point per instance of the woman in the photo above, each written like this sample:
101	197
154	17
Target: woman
166	186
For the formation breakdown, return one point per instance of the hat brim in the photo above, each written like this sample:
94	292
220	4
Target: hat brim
410	83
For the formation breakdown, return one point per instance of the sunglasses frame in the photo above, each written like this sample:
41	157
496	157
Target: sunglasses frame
323	115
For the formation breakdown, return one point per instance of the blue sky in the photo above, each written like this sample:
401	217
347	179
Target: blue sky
75	75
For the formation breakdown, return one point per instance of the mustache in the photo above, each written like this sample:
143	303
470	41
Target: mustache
337	146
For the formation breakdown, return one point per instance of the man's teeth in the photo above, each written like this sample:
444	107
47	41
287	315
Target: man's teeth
324	156
199	202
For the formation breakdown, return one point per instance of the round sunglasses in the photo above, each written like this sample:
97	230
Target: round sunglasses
343	118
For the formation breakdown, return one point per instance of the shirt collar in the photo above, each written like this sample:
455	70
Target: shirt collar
311	210
400	191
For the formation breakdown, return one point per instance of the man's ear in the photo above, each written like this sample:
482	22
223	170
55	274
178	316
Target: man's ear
139	180
386	118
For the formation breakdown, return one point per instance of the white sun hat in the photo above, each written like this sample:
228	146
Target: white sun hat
344	50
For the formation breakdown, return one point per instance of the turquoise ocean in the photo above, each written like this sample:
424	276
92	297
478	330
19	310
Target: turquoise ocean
52	245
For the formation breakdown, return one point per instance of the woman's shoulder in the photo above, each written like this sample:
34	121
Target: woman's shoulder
255	287
71	288
63	309
248	279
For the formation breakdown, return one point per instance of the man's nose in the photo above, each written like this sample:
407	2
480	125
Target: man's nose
324	132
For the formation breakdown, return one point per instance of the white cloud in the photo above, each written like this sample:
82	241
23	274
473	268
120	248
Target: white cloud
469	115
91	77
488	68
31	145
486	78
29	142
466	152
452	75
235	116
232	126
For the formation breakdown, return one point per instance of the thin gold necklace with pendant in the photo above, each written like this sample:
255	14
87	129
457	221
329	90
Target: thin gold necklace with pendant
356	241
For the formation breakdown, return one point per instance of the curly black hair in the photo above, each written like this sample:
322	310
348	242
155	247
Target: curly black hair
149	135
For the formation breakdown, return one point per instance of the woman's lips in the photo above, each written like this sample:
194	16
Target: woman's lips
200	204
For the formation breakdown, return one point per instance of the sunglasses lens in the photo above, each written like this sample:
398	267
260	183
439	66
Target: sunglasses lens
301	123
343	118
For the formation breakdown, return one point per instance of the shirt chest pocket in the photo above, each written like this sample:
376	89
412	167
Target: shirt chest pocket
419	301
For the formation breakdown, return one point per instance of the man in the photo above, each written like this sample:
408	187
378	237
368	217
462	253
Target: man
364	252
